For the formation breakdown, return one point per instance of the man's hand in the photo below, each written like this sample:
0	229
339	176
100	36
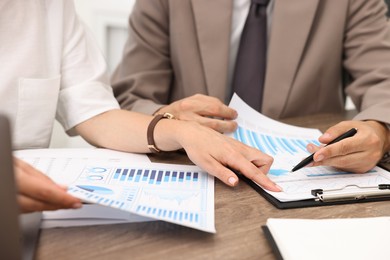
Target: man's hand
359	153
207	111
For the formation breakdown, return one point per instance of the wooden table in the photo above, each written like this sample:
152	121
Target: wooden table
239	214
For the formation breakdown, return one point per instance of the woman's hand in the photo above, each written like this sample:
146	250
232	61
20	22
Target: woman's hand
218	154
36	192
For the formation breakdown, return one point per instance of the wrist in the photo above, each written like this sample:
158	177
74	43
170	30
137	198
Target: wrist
166	135
383	131
150	131
160	110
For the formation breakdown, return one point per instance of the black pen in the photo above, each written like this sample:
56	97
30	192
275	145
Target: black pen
309	159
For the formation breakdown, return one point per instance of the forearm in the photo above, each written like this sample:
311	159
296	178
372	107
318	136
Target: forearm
126	131
213	152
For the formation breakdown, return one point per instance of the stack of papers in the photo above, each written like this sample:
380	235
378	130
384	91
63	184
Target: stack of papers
128	183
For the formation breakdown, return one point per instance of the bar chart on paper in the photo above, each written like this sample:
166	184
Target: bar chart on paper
181	194
177	195
289	150
287	145
154	177
143	176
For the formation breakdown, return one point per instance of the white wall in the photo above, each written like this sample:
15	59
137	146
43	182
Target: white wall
107	19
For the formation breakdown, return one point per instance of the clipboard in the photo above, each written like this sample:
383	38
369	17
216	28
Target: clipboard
287	145
327	197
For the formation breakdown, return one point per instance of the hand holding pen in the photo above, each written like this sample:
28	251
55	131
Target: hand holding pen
359	153
310	158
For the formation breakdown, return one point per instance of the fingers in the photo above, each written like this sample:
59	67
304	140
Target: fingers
256	173
221	126
333	132
350	163
250	162
28	204
245	167
206	110
28	169
213	167
207	106
36	193
358	153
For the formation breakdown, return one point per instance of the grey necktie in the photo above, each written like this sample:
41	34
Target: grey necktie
249	73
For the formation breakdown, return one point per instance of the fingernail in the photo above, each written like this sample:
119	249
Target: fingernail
77	205
235	114
326	135
310	164
278	187
62	186
232	181
319	158
310	148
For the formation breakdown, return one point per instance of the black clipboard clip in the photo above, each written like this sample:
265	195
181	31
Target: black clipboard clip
349	193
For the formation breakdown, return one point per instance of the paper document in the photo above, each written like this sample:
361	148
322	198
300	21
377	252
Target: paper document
287	145
352	238
88	215
179	194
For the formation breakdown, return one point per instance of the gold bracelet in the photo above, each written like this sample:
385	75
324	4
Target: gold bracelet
149	133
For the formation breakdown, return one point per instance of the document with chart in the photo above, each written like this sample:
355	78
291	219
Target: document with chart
179	194
287	145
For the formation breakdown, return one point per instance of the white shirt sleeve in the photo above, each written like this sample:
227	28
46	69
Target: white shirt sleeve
85	91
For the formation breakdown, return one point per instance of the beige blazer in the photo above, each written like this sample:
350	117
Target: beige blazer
177	48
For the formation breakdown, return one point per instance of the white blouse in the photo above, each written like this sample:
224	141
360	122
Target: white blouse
50	69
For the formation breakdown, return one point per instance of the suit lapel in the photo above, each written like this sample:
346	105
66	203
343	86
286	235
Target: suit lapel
291	24
213	25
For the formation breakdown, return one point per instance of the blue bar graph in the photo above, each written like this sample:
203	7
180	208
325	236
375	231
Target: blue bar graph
241	134
146	174
131	175
250	138
138	177
167	174
282	144
181	177
153	177
159	177
181	216
300	144
151	180
117	172
272	145
124	175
